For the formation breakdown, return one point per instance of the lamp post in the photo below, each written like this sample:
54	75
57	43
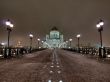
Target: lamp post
100	29
78	37
70	40
31	37
42	43
9	26
38	42
66	44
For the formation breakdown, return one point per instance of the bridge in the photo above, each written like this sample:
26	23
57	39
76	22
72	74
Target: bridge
54	60
54	41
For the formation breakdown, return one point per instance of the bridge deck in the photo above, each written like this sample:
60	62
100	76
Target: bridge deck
54	66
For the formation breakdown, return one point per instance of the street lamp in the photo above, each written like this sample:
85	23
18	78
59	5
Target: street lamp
9	27
66	43
78	37
42	43
31	37
38	42
100	29
3	44
70	40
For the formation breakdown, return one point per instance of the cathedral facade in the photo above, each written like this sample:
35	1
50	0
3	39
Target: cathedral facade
54	39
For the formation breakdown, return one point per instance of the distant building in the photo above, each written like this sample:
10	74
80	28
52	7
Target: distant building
19	45
54	39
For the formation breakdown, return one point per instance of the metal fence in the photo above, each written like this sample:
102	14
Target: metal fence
13	52
101	52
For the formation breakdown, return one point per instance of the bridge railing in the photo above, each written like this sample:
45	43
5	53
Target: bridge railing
9	52
101	52
13	52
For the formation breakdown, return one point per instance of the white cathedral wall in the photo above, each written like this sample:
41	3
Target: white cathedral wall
52	41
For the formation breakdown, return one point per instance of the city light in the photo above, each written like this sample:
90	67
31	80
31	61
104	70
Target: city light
3	44
101	22
108	56
78	36
38	39
9	24
66	41
49	81
70	39
98	25
42	41
31	35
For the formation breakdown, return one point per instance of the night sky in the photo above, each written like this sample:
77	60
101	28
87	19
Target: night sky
69	16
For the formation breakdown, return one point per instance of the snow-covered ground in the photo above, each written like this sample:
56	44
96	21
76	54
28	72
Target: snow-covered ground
54	66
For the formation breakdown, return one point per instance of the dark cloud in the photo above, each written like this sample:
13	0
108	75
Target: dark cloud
70	16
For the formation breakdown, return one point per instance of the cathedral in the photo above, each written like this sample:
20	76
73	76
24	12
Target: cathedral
54	39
